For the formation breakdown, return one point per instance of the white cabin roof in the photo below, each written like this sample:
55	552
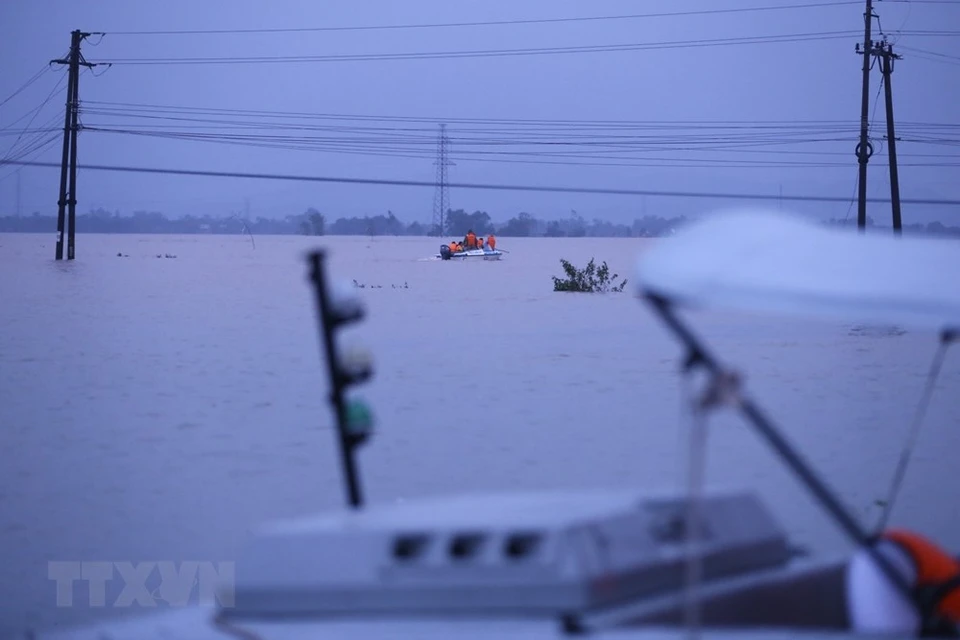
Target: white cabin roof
771	262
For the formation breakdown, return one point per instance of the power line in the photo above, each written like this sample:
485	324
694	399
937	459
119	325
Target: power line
932	53
432	119
930	32
197	123
32	149
36	111
26	84
545	141
481	186
374	148
487	53
564	136
634	16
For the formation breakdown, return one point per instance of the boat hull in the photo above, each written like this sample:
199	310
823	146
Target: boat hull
471	254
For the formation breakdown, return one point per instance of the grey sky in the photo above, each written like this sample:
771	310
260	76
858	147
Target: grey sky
814	80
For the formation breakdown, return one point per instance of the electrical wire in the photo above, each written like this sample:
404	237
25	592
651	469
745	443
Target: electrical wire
479	186
181	113
562	158
931	53
486	53
906	453
635	16
26	84
34	148
399	136
36	112
555	142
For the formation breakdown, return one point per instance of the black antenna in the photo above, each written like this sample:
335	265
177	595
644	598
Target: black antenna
354	418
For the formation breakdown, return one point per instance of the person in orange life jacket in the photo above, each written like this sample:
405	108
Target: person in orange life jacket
453	246
491	242
875	604
470	240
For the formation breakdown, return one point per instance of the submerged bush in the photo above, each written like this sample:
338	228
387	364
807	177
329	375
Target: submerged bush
590	279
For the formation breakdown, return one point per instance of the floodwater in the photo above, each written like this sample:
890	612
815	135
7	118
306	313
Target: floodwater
158	408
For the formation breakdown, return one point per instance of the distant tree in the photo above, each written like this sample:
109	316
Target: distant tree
520	226
554	230
459	222
317	222
312	222
576	226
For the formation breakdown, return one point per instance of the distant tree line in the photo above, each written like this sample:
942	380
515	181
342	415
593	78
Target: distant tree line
935	228
314	223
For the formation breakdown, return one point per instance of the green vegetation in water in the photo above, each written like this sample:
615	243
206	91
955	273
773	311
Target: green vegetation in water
590	279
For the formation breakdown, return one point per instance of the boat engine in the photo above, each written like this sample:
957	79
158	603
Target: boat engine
445	252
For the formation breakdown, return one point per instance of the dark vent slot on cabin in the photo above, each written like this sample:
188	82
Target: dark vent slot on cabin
465	546
521	545
409	547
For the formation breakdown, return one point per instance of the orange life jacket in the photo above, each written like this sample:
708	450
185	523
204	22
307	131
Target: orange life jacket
935	569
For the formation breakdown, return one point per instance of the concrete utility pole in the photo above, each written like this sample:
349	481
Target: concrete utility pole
887	56
864	149
68	166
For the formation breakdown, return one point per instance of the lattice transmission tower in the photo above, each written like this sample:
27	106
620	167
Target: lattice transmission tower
441	196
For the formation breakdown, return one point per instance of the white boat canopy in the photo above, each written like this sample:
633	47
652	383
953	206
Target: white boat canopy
771	262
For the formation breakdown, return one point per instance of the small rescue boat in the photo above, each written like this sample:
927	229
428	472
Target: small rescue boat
484	254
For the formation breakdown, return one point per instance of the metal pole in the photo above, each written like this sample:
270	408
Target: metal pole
864	149
317	275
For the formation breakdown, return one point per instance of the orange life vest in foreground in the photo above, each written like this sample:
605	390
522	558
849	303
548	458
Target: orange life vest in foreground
875	605
936	570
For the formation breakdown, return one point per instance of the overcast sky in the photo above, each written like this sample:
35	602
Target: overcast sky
810	87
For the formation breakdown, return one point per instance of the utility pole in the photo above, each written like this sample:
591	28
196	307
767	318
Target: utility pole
864	149
19	171
887	56
68	166
441	197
